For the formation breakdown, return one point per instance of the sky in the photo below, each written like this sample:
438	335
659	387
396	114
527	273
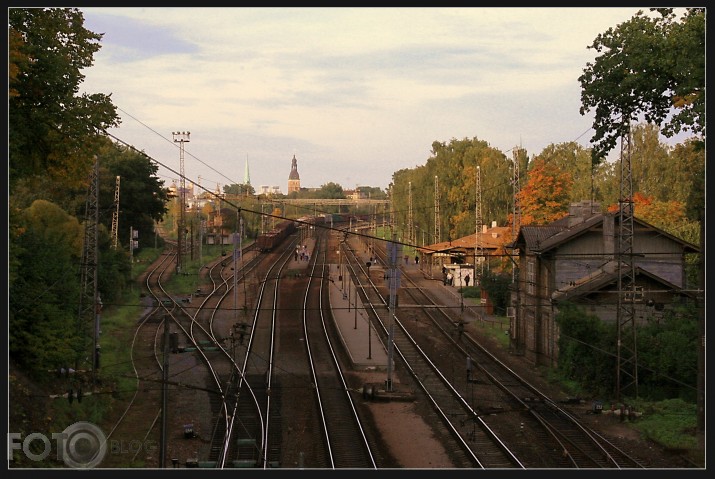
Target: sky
354	93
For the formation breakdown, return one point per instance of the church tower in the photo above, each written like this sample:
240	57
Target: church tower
294	177
246	175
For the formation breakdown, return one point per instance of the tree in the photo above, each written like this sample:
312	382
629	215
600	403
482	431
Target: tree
43	293
688	172
240	189
651	163
454	164
667	215
373	192
653	67
330	190
572	158
648	66
142	197
52	130
584	342
545	197
497	287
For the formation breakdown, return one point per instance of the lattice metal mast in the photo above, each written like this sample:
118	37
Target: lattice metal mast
437	220
516	213
181	138
627	351
516	221
115	217
478	250
410	225
89	295
392	210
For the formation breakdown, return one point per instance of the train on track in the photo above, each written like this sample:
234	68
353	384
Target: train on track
265	242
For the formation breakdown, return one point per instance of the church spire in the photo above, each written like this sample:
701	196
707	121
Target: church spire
246	175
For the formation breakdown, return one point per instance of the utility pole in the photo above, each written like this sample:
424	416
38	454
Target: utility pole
394	252
516	213
410	238
236	252
392	209
515	326
197	210
478	253
437	227
356	300
133	244
202	224
164	393
115	217
181	138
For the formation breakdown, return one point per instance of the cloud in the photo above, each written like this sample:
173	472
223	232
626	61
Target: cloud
355	93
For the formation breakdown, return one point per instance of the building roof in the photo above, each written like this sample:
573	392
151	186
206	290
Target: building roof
490	239
604	276
547	237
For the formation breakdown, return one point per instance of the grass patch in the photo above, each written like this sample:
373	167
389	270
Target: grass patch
671	422
496	327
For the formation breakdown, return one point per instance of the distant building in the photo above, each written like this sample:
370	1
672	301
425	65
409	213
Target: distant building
293	177
270	190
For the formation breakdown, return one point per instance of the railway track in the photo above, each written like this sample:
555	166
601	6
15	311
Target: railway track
137	442
548	436
259	347
301	412
486	450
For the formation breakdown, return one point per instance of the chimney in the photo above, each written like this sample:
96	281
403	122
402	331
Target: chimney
581	211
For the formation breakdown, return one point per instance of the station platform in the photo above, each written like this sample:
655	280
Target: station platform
364	346
361	341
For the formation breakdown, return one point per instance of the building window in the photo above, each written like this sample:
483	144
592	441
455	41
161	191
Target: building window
530	279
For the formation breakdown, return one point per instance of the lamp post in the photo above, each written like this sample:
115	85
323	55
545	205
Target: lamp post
355	308
461	292
369	338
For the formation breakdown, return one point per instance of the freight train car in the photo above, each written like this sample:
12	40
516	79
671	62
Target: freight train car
267	241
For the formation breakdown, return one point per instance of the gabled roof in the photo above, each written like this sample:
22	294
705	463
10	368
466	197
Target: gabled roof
602	277
541	239
490	239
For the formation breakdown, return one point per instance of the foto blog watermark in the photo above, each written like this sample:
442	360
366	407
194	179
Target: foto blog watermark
81	445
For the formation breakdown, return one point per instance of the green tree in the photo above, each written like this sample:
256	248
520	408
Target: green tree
143	197
239	189
572	158
43	293
651	163
668	353
53	131
687	175
452	170
650	66
373	192
497	286
330	190
585	343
